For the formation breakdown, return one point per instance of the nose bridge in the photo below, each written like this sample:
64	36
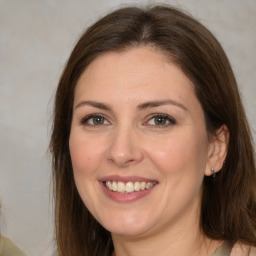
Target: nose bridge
124	146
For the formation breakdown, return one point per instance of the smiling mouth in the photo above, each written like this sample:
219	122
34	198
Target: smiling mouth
128	187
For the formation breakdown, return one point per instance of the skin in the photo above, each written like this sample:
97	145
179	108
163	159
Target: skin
129	142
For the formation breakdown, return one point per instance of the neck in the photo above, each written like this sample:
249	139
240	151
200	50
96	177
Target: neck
186	241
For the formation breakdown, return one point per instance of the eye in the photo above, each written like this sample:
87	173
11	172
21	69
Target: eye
161	120
94	120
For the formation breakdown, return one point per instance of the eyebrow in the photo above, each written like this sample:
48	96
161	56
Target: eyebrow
149	104
158	103
94	104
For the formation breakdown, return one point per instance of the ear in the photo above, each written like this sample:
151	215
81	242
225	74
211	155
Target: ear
217	150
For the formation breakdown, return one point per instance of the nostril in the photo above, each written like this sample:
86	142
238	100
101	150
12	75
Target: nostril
121	161
124	149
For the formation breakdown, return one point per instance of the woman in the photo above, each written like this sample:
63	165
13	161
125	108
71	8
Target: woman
152	153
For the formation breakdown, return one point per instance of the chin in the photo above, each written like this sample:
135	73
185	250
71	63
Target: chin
131	232
127	226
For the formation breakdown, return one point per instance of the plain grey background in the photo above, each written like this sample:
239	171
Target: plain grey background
36	39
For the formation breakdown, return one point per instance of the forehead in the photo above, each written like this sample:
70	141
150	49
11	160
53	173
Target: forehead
125	61
131	70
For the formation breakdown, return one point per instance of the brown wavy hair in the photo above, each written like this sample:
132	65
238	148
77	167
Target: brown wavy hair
228	204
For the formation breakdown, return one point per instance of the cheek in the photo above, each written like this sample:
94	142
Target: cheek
85	155
181	154
181	161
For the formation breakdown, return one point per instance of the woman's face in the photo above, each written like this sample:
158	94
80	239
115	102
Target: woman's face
138	143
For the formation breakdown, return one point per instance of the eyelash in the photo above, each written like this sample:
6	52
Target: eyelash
172	121
85	120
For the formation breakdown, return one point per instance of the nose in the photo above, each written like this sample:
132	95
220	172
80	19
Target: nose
124	148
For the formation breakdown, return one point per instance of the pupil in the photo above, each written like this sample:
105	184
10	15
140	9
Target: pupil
160	120
98	120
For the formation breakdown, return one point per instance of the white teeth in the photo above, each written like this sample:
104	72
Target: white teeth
109	185
149	185
142	185
114	186
137	186
128	187
120	187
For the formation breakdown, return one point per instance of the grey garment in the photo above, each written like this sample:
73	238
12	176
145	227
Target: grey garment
224	250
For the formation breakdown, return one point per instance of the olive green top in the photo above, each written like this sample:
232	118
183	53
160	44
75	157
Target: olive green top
224	250
238	249
9	248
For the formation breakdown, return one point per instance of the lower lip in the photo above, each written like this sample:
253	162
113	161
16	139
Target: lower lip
126	197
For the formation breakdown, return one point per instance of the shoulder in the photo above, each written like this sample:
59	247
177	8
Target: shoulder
240	249
8	247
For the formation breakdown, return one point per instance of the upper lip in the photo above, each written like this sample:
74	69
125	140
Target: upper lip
125	178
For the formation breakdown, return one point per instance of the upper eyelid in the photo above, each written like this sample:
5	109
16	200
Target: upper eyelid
160	115
172	121
87	117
